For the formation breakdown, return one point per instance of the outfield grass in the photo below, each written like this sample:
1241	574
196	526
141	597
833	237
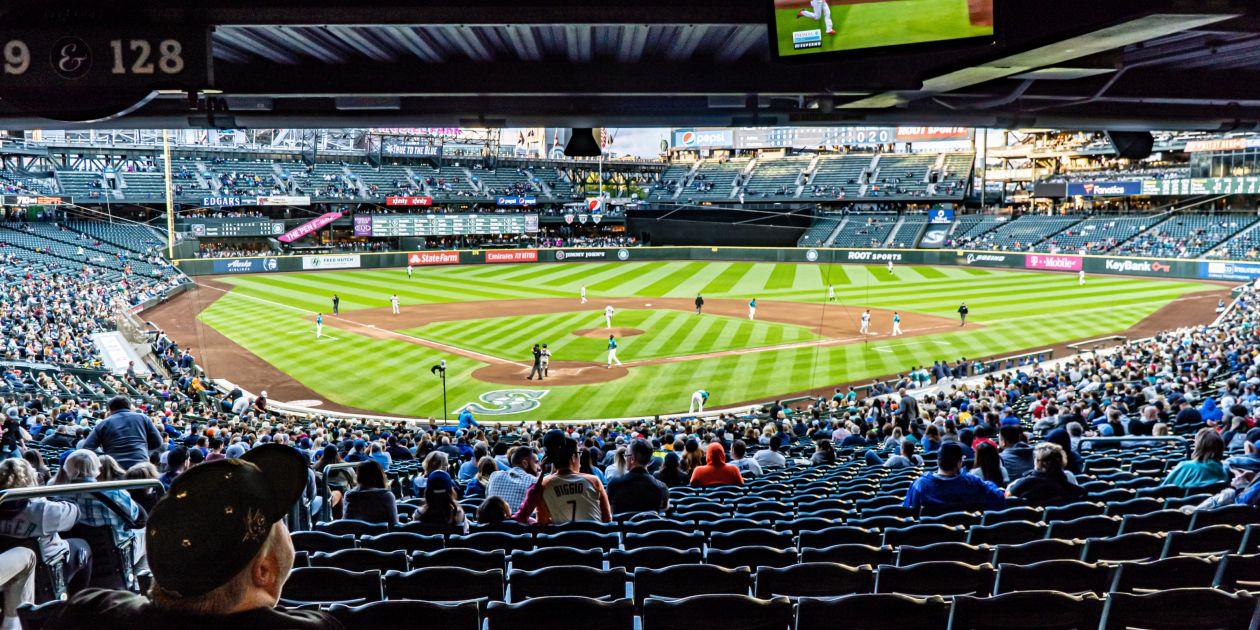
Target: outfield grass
667	333
874	24
267	314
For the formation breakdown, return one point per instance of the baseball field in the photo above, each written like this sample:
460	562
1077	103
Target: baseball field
259	330
871	24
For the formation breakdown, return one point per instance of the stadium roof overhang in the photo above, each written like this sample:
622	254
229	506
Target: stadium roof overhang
1120	64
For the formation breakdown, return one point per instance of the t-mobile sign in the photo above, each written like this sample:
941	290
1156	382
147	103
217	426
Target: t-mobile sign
1053	263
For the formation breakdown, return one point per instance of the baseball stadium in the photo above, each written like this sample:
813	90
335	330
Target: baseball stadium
721	315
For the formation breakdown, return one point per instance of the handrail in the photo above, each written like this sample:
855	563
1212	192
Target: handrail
13	494
1176	439
325	509
1098	341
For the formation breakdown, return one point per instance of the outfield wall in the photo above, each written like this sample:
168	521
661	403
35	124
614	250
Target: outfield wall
1197	269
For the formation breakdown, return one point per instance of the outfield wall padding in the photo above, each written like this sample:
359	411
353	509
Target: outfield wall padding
1095	265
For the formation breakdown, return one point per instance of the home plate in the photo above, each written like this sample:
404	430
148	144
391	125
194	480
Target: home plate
647	305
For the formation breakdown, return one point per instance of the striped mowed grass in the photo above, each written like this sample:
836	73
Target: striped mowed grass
269	315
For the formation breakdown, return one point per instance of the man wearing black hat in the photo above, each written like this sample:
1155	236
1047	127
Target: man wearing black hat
219	552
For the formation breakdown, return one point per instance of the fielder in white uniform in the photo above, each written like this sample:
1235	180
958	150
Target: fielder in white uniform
608	313
831	293
584	295
866	323
408	271
697	400
896	323
612	351
393	301
1080	279
820	9
890	267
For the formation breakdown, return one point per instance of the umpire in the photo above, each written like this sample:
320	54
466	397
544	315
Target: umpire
699	303
537	369
962	314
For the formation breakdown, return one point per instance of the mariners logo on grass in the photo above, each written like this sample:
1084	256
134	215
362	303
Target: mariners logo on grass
508	401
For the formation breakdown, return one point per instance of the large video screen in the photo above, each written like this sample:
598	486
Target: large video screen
808	27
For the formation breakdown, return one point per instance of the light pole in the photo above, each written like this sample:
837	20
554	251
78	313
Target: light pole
440	370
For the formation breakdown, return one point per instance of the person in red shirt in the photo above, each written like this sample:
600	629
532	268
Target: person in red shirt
716	472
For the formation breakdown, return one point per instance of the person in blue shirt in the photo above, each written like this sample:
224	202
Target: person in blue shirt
466	419
752	309
950	488
319	325
612	352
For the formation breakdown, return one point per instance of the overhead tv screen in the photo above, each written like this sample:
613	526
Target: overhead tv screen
810	27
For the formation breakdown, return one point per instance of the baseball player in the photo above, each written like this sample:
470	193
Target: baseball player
393	302
546	361
408	271
584	295
1080	279
336	304
962	314
820	10
608	313
890	268
752	309
319	325
831	293
612	351
697	400
896	323
866	322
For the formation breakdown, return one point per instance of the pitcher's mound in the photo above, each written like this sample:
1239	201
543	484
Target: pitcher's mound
560	373
602	333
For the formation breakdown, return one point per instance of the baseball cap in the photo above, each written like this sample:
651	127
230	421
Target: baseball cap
216	517
439	481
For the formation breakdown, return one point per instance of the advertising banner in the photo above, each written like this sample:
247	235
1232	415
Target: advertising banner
1229	271
220	201
284	200
309	227
984	259
1137	266
941	215
433	258
920	134
245	265
1221	144
1052	262
511	255
703	138
581	254
1104	189
33	200
362	225
342	261
522	200
412	150
871	256
409	201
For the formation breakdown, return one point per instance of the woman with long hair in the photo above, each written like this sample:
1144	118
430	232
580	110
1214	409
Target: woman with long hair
493	510
618	467
1048	482
693	457
441	503
988	465
672	473
1204	468
479	485
339	481
371	499
824	454
110	470
42	472
587	468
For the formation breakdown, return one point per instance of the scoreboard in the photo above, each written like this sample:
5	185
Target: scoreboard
391	225
234	227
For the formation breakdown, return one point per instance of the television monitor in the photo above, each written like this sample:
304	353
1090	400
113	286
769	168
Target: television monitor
804	28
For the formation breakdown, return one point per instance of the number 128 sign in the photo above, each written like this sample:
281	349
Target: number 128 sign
101	62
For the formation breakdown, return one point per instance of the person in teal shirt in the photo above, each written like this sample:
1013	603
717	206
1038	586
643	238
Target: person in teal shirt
1204	468
752	309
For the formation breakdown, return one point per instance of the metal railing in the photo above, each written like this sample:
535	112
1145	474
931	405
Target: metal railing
1097	343
1173	439
36	492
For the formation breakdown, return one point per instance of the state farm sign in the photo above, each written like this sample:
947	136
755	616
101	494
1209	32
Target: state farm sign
433	258
511	255
1053	263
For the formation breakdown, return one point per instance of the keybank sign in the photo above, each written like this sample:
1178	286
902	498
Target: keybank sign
1136	266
